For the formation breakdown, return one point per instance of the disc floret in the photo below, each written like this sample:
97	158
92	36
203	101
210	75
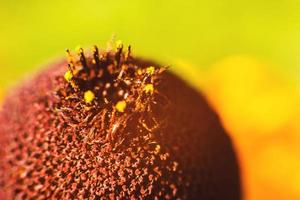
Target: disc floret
107	83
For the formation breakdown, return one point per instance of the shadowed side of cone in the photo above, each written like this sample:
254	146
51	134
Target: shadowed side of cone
196	138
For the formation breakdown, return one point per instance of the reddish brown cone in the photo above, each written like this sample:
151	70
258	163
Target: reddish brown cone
113	127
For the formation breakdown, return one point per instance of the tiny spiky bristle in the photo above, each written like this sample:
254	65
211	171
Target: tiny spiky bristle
106	125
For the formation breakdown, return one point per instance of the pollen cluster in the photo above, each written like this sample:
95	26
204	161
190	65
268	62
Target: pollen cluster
93	135
104	124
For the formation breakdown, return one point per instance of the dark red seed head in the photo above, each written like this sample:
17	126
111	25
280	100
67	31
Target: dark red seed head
106	125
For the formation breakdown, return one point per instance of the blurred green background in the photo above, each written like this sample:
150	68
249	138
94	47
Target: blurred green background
199	32
245	55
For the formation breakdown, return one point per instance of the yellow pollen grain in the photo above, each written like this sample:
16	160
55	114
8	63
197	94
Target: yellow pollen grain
89	96
150	70
68	76
120	106
149	88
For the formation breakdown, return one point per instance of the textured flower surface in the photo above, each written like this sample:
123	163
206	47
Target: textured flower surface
108	125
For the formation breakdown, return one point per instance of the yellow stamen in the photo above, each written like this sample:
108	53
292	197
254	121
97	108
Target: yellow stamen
150	70
89	96
149	88
68	76
120	106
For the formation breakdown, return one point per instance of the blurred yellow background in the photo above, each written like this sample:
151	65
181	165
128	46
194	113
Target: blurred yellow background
243	54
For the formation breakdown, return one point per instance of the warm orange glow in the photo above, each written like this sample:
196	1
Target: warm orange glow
261	112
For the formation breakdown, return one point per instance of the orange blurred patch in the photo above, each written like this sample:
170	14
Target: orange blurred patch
249	96
260	110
